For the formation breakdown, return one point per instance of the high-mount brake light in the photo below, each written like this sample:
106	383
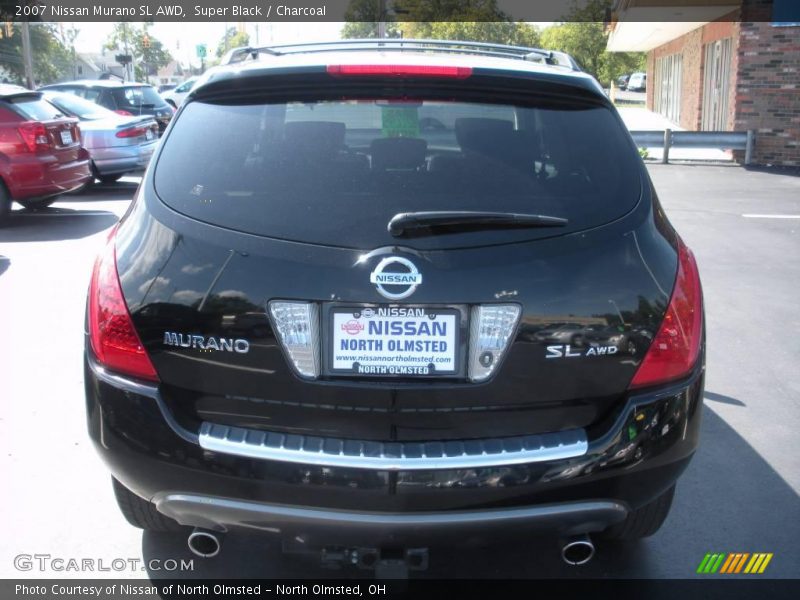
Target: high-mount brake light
114	340
442	71
676	346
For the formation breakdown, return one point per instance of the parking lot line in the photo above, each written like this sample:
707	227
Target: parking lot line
753	216
48	214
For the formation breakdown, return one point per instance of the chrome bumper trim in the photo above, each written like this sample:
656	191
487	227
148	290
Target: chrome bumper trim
222	514
392	456
360	454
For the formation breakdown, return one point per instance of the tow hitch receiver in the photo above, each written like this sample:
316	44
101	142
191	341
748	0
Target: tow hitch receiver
388	563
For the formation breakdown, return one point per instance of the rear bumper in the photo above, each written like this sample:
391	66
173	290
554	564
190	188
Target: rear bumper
382	529
31	179
122	159
628	461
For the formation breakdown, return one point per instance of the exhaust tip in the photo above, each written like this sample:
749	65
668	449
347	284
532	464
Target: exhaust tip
205	544
577	551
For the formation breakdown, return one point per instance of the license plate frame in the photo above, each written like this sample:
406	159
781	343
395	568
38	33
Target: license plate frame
455	314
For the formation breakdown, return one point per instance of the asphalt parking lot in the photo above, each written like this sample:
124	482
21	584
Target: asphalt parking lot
740	494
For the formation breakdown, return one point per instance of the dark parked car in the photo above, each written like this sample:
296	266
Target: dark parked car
622	81
40	151
123	97
323	325
116	144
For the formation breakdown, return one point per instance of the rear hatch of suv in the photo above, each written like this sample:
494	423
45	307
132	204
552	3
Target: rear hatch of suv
142	100
396	258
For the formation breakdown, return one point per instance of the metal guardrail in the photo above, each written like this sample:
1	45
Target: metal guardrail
723	140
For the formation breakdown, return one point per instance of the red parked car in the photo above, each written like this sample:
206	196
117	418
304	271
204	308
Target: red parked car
40	151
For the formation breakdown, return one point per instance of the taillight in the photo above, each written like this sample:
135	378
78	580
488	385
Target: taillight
400	71
34	135
114	340
490	332
131	132
124	113
676	346
297	324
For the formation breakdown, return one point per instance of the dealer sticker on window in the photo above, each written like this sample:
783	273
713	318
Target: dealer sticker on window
394	341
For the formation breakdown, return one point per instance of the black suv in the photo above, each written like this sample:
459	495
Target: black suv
125	98
383	304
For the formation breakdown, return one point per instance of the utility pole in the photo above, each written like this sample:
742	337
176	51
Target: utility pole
26	55
381	18
128	66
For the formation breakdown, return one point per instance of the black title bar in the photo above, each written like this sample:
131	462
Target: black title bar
397	10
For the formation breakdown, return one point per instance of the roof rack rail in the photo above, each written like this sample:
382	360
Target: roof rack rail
550	57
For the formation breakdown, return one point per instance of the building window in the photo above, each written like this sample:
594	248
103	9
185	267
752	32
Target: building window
667	80
717	58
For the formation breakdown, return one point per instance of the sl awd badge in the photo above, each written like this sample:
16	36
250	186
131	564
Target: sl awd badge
397	273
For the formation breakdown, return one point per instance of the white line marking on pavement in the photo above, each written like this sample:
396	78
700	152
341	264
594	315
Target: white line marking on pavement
77	213
772	216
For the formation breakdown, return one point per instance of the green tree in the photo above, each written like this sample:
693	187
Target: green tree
233	38
584	37
585	42
496	32
432	19
51	59
148	53
451	19
431	11
362	17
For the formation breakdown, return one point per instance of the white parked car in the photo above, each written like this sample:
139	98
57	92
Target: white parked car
637	82
176	95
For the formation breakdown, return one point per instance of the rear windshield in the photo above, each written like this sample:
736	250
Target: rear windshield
336	172
35	108
75	105
134	97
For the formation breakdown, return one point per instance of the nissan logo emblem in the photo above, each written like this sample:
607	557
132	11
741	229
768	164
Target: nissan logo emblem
406	279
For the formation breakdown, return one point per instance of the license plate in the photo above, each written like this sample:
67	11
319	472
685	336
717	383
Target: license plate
394	342
66	137
149	135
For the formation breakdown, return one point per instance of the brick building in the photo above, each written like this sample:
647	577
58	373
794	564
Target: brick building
729	65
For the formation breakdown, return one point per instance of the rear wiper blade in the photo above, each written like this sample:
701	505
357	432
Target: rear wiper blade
405	223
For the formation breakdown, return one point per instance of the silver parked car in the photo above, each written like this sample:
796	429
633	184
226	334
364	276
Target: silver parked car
117	144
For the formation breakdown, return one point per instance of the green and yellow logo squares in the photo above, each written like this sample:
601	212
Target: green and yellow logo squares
734	562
